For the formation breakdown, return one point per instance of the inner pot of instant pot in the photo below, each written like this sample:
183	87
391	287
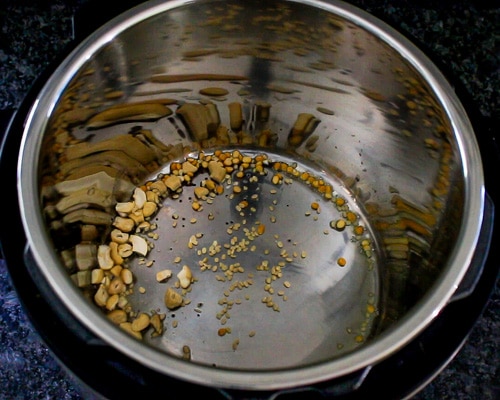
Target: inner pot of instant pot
256	194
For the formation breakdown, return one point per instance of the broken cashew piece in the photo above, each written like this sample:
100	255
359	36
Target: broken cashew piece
139	197
185	277
104	257
139	245
173	299
163	275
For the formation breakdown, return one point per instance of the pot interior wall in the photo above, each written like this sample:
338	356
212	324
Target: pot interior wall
340	116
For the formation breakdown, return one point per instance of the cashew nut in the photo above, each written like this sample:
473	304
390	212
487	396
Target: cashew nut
173	299
141	322
125	250
101	296
118	236
139	197
124	224
124	208
113	252
97	276
149	209
139	244
104	257
117	316
127	327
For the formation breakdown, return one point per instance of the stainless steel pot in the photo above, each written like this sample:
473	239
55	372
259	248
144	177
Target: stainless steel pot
354	124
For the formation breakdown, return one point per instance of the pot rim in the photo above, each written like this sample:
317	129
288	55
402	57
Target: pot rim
374	351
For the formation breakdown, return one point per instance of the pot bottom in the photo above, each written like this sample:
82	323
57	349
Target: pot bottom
284	273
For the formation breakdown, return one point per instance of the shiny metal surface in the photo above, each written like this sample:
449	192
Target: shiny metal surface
389	135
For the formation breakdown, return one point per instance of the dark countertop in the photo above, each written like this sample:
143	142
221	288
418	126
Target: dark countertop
462	37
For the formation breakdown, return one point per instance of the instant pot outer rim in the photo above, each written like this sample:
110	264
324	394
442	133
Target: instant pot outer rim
369	354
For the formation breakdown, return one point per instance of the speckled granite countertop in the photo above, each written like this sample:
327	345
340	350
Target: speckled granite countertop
464	36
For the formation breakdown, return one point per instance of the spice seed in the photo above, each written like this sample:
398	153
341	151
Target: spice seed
341	261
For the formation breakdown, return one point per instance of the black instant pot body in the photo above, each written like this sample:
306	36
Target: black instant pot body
105	372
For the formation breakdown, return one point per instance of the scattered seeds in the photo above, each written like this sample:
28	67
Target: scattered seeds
229	171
